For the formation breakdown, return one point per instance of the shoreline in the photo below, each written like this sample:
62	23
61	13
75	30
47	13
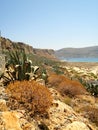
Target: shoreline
81	64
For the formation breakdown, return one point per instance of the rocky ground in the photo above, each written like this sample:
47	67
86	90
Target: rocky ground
81	64
65	113
84	69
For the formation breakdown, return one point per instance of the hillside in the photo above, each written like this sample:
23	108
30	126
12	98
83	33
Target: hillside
54	95
77	52
8	44
72	108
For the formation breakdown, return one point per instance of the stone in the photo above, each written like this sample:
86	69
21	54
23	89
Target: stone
76	125
14	120
11	121
3	106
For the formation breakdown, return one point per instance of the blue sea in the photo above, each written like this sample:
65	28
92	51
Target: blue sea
81	59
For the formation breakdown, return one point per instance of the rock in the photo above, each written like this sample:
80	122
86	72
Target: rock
86	99
13	120
76	125
8	44
61	115
41	81
3	94
2	63
2	89
56	95
94	70
29	126
3	106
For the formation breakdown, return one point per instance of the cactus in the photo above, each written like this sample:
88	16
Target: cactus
90	86
18	67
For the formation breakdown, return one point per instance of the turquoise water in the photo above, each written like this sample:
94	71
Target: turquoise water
81	59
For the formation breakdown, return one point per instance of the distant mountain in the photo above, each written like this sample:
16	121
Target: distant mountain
77	52
8	44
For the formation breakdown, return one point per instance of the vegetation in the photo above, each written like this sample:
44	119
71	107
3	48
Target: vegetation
67	100
57	69
91	113
66	86
31	95
71	88
25	93
90	86
18	67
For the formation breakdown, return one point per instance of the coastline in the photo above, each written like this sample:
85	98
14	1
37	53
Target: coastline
88	65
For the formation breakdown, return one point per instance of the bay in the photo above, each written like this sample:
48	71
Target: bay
81	59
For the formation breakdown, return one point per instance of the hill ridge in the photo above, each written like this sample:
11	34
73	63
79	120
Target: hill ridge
91	51
8	44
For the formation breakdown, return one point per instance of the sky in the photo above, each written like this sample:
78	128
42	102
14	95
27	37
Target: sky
50	24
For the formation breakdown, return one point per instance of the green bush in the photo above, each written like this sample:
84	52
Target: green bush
91	87
57	70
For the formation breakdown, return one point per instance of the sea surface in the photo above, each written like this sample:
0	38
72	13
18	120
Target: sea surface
81	59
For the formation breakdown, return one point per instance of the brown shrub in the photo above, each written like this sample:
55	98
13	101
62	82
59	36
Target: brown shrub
71	88
29	95
91	113
66	86
54	80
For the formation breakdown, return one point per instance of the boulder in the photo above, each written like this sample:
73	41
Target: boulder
13	120
76	125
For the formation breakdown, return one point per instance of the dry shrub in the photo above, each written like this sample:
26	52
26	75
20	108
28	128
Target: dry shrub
54	80
66	86
71	88
29	95
91	113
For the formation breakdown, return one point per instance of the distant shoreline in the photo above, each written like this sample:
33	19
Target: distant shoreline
81	64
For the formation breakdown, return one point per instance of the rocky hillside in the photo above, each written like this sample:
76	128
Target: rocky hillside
55	100
77	52
79	112
8	44
61	103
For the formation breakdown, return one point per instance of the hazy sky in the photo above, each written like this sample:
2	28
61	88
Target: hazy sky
53	24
